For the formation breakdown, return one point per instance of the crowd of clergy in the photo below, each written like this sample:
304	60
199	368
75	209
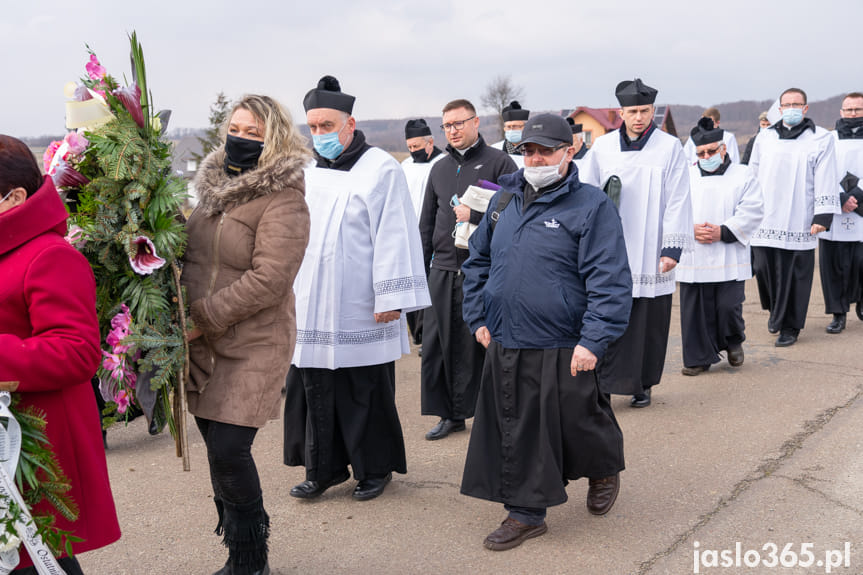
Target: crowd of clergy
564	293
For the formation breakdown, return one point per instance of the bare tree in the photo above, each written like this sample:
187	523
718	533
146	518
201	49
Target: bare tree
499	92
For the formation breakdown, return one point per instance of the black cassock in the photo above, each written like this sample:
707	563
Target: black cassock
340	417
711	319
840	264
635	361
784	280
452	359
537	427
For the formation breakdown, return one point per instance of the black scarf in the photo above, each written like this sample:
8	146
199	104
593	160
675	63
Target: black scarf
510	148
786	133
350	156
627	145
849	128
720	170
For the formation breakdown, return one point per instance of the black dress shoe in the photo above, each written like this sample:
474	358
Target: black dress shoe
641	399
859	309
371	487
735	355
694	370
772	329
786	338
838	323
226	570
309	489
444	427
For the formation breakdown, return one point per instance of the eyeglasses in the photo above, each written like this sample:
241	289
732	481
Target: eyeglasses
707	153
853	110
458	126
542	151
792	105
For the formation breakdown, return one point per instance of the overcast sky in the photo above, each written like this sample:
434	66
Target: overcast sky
403	58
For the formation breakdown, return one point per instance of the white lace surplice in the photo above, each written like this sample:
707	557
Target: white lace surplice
364	257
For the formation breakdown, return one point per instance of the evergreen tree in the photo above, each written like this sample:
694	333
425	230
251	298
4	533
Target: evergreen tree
212	137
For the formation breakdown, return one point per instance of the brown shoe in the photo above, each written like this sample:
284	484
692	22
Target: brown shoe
602	494
694	370
512	533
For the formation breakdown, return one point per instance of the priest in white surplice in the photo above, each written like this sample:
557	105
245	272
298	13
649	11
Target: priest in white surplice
795	163
728	139
363	268
727	208
840	251
417	167
657	225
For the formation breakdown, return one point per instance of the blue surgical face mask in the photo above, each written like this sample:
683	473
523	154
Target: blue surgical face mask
792	116
512	136
328	145
712	163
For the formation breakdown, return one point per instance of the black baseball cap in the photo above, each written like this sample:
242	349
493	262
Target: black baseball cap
547	130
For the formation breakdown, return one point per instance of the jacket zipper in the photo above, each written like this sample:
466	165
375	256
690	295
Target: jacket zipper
216	241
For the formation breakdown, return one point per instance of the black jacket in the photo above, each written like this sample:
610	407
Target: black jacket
453	175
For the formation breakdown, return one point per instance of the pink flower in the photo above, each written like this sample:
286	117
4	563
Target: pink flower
130	96
123	319
76	237
146	261
122	401
94	69
115	364
48	156
65	176
76	142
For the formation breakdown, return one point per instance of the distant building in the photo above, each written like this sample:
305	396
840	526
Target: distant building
599	121
184	164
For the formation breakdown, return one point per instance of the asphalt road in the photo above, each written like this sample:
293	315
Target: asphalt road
728	472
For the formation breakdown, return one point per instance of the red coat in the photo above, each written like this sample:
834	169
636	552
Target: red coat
49	342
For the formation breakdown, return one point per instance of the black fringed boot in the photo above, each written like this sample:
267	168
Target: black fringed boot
246	530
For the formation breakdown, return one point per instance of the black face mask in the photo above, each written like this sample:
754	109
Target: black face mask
241	154
420	156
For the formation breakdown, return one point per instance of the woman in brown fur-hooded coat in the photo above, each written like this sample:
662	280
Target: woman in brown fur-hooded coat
247	238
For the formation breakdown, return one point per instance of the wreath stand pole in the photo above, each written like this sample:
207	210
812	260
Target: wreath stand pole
182	439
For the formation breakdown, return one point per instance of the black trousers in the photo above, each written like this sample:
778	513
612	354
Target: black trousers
350	419
634	362
69	564
784	284
452	359
415	324
839	264
232	470
711	319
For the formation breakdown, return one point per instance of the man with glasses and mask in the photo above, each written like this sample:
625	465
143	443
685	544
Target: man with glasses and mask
362	269
514	117
727	209
547	287
795	163
654	209
452	360
417	167
840	253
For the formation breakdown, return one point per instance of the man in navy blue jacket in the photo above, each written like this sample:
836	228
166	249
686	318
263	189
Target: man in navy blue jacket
546	289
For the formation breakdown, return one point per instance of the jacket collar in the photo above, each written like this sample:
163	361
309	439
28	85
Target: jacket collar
219	192
42	212
470	153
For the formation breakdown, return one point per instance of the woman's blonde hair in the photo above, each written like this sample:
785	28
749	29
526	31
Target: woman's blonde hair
281	137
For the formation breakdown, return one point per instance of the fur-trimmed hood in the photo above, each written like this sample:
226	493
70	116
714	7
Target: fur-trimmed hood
217	191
